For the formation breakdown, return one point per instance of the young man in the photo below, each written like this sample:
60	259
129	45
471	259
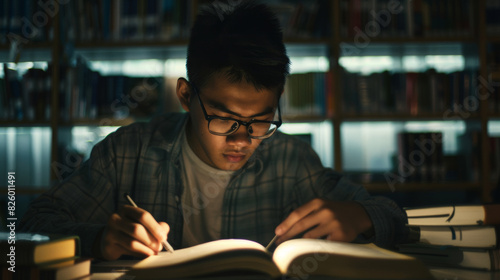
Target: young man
221	170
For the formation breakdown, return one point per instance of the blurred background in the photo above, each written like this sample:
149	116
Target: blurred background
400	95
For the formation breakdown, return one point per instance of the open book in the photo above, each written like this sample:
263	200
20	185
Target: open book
294	258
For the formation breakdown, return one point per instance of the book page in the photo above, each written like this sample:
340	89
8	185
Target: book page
286	252
197	252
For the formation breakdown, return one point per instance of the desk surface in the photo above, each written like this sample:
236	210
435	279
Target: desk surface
463	274
438	272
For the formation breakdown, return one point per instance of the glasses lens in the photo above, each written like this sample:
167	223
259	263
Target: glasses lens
222	127
261	129
226	127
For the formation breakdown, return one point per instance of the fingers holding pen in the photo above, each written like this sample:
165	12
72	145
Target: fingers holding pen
146	220
142	232
119	239
132	231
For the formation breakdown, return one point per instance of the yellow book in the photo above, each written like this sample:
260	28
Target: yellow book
36	249
293	258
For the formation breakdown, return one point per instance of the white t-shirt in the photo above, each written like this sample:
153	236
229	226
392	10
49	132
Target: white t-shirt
204	188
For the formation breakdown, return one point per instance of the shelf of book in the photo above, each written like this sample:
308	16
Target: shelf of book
23	123
332	42
29	46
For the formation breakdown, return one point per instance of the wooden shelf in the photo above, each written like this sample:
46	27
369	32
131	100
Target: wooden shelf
402	47
493	39
29	52
307	41
408	117
102	121
114	51
178	42
29	46
410	40
494	116
304	118
130	44
23	123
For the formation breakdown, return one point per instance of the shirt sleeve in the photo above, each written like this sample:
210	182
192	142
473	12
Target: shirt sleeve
80	205
388	219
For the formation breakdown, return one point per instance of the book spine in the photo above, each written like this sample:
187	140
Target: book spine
492	214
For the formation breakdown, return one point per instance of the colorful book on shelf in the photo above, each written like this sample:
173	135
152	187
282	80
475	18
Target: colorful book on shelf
460	236
306	94
74	268
452	256
461	215
410	93
293	258
37	249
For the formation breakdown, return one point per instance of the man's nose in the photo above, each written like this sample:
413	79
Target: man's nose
240	137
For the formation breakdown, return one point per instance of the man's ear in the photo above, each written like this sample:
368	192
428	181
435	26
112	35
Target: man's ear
183	91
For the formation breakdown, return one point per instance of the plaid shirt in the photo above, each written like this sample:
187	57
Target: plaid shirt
144	161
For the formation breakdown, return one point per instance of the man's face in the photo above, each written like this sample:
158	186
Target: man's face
239	101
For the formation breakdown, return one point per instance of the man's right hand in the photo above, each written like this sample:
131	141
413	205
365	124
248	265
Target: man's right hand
132	231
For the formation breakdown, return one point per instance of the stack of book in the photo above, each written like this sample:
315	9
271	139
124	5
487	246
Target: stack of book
37	256
463	236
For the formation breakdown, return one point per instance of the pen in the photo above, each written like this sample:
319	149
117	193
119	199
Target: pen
271	243
165	244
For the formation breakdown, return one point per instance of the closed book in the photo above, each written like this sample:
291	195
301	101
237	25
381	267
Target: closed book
452	256
462	215
74	268
462	236
29	249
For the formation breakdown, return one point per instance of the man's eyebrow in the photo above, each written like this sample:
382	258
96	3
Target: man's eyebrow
223	108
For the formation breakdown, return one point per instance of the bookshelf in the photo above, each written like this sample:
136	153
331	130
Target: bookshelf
329	28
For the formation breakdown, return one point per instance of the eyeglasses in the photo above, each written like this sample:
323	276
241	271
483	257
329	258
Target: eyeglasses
256	129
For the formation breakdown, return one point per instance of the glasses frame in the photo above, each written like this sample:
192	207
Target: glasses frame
209	118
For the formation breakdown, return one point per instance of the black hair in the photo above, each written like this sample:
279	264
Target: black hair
241	40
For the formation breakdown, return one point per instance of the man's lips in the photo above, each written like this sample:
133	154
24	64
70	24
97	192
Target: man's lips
234	157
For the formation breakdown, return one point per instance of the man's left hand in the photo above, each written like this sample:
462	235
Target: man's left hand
337	220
